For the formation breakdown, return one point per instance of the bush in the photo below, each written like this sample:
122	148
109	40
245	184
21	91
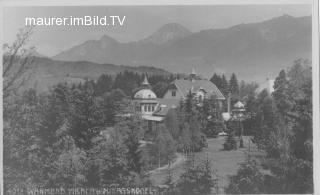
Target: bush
249	180
213	129
230	142
197	179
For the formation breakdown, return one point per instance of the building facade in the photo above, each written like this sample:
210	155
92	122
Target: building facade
155	109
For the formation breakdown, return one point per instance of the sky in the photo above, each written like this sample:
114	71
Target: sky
140	22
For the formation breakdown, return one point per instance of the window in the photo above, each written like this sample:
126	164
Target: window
152	108
149	108
200	98
145	108
173	93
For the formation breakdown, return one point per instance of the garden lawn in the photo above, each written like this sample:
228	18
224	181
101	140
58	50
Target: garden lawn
224	163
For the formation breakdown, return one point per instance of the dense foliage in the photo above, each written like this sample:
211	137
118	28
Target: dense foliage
74	135
283	124
88	134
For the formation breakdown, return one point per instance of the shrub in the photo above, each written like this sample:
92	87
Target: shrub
230	142
248	180
213	129
197	179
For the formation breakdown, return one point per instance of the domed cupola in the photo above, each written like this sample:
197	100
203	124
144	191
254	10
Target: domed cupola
145	92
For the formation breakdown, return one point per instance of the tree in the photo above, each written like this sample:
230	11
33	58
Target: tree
104	84
68	161
248	180
188	106
164	145
16	61
85	116
210	117
285	123
112	103
127	81
280	92
247	89
21	150
230	142
172	123
265	117
234	87
114	164
134	133
197	179
224	86
217	80
221	82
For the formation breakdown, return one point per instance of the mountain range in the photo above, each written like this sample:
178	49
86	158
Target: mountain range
253	51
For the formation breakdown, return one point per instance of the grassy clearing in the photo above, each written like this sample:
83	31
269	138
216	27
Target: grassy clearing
225	163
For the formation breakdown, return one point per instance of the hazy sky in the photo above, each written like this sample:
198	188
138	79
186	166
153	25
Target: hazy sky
140	21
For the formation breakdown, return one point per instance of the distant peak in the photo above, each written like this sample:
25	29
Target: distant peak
168	32
107	38
284	16
287	16
174	25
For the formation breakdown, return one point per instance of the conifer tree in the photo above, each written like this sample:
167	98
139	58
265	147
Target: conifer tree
224	86
234	87
280	93
217	80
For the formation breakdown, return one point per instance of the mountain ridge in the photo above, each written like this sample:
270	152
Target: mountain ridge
45	72
272	44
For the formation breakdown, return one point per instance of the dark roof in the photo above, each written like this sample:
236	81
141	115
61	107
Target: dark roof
184	86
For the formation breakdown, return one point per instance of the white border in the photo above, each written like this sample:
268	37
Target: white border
315	50
15	3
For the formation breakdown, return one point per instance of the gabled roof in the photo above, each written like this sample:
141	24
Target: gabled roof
184	86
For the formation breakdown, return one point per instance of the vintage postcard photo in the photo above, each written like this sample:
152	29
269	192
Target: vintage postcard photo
159	98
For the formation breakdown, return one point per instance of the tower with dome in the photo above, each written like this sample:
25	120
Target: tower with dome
145	98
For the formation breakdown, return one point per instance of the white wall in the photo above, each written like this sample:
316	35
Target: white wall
168	94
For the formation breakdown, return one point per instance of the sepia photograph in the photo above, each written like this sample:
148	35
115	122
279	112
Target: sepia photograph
173	98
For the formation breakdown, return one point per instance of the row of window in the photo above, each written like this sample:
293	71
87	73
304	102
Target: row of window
149	108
